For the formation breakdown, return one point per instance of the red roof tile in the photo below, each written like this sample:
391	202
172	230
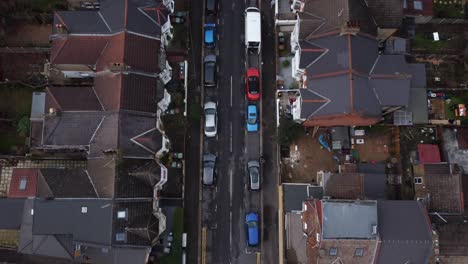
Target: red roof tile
108	90
29	177
83	50
428	153
70	98
462	137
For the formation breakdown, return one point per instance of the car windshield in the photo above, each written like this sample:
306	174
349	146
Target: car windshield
209	71
253	84
252	224
252	118
254	174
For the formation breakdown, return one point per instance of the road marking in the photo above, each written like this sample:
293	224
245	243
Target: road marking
231	90
258	258
230	187
230	138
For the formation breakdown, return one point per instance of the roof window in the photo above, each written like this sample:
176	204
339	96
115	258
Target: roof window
333	251
120	236
359	252
122	214
22	185
84	209
418	180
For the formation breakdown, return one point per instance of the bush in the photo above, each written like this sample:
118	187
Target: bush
286	63
288	131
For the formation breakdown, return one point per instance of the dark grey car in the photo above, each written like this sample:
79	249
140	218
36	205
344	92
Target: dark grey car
209	161
209	63
253	168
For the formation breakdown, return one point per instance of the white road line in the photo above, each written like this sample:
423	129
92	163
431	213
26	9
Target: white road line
230	138
230	187
231	90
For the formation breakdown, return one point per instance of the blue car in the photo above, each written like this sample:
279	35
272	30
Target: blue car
252	118
210	35
251	221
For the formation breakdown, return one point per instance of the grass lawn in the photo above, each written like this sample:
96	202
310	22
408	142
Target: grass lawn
16	104
175	257
421	42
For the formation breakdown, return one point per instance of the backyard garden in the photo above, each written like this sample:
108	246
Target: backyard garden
14	118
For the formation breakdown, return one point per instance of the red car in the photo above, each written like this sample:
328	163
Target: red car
253	84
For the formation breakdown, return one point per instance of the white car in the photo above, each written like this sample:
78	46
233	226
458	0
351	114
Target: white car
211	119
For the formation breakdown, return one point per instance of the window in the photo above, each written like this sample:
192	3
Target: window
359	252
23	183
84	210
417	180
418	5
120	237
333	251
122	214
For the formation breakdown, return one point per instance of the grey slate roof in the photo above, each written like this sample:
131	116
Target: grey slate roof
295	194
140	16
12	213
349	219
67	183
391	92
116	255
387	13
404	229
62	217
418	105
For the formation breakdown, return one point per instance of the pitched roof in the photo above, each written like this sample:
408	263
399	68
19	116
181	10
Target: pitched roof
349	83
136	178
349	219
404	239
387	13
441	187
344	185
321	16
140	225
65	183
141	16
20	176
428	153
60	217
84	50
12	213
72	98
128	91
411	8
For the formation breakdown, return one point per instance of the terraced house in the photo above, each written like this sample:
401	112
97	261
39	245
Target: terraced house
107	72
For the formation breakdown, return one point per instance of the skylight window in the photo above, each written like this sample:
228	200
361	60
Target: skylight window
22	185
359	252
122	214
333	251
120	237
84	210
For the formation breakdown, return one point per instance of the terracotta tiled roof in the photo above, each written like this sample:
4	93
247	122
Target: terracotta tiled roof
428	153
69	98
83	50
28	177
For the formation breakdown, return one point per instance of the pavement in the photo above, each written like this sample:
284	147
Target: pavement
192	160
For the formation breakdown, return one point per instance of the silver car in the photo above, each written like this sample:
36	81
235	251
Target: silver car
209	161
211	119
253	168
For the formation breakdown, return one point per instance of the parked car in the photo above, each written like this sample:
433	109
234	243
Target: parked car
253	167
209	161
209	63
211	6
251	222
210	35
211	119
252	118
253	84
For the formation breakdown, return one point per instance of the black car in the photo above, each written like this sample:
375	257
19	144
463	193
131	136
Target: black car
211	6
210	70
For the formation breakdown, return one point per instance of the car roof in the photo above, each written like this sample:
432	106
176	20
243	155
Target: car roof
251	217
252	108
253	71
210	105
253	163
209	35
210	58
209	157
